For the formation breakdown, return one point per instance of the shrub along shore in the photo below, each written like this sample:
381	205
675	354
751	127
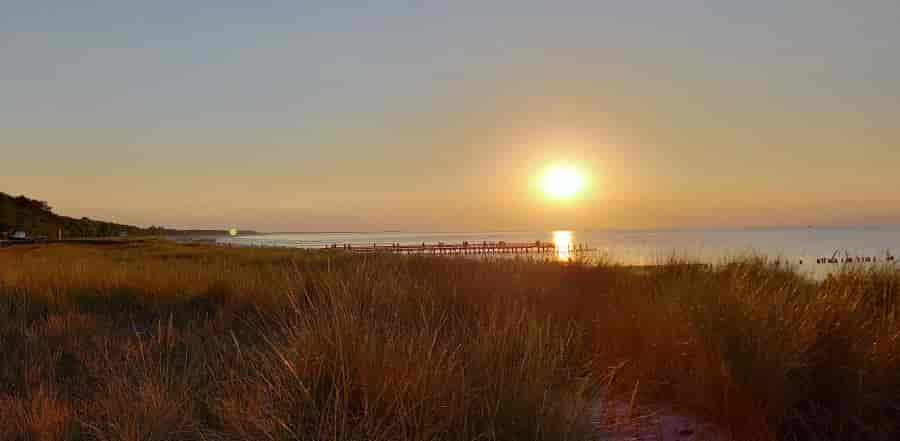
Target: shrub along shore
161	341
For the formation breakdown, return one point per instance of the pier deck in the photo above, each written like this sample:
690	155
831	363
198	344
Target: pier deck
487	248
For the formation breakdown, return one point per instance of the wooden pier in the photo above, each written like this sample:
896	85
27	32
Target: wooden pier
464	248
847	258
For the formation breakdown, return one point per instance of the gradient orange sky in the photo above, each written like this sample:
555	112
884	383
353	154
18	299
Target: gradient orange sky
312	116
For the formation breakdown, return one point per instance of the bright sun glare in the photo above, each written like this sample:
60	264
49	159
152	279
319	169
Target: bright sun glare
562	182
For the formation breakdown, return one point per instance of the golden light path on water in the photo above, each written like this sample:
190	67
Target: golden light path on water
562	240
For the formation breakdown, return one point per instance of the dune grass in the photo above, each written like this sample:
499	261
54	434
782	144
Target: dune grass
158	341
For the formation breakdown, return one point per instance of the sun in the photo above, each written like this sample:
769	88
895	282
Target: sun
562	182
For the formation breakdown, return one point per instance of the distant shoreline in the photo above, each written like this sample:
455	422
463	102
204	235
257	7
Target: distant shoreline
875	227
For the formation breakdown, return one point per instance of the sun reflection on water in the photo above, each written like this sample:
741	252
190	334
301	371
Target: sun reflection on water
562	240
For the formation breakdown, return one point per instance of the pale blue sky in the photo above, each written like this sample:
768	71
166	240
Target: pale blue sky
419	115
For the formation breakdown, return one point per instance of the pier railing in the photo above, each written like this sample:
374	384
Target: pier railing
440	248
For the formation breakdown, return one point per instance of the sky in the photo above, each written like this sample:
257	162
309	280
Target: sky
338	116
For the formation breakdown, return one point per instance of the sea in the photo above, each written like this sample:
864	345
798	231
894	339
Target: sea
803	248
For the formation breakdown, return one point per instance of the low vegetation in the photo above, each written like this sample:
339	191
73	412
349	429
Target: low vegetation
158	341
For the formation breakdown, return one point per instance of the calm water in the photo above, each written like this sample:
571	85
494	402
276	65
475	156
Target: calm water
644	247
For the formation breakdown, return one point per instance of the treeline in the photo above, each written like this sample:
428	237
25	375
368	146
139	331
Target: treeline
36	218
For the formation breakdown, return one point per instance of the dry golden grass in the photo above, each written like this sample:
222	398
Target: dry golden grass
157	341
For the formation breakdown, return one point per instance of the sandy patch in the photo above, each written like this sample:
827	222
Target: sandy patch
618	421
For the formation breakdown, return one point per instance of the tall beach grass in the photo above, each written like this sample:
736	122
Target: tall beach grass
158	341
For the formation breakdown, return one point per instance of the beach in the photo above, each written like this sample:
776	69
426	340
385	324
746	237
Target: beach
156	340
